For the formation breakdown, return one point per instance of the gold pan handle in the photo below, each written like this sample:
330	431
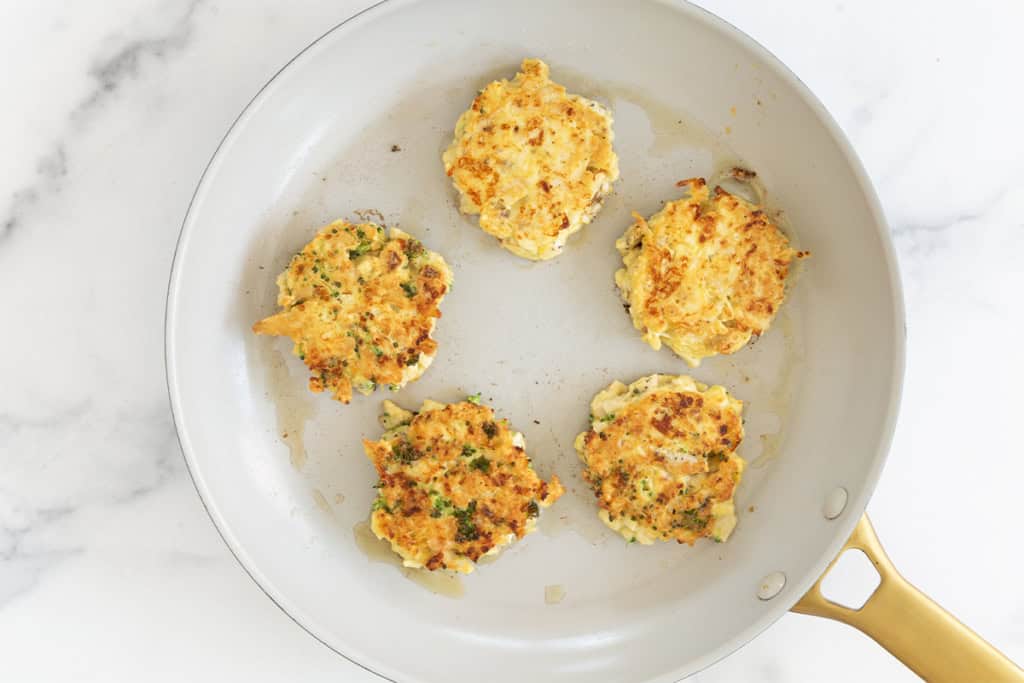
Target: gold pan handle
907	623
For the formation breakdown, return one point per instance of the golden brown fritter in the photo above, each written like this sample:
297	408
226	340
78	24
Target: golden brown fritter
533	161
703	275
660	458
360	308
455	485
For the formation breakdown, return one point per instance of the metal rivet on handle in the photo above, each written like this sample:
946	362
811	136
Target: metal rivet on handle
771	585
835	503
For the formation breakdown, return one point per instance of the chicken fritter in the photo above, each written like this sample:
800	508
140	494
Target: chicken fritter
455	485
660	456
704	274
360	308
533	161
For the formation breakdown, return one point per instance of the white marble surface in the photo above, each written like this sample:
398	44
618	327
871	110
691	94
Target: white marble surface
109	567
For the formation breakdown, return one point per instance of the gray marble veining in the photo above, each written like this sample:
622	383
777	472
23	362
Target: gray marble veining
103	542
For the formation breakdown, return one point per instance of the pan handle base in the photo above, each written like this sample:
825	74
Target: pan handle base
906	622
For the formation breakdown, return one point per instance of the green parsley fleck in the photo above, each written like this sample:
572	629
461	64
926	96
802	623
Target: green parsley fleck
467	530
490	429
481	463
409	289
693	521
364	246
468	451
413	248
442	506
474	398
405	453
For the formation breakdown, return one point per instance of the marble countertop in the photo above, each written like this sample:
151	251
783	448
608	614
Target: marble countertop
110	569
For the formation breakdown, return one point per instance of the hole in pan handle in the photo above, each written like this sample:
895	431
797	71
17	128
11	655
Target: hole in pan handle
907	623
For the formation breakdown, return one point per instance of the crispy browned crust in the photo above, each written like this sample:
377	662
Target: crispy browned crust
635	467
360	307
704	275
453	486
532	160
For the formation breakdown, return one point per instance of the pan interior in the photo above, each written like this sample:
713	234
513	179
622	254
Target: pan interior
358	123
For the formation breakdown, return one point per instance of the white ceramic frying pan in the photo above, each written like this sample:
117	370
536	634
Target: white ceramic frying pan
357	122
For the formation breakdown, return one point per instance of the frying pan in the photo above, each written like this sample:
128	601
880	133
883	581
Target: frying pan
354	126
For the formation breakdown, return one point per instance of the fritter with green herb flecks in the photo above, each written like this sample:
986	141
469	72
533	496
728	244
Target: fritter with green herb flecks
455	485
660	456
360	308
